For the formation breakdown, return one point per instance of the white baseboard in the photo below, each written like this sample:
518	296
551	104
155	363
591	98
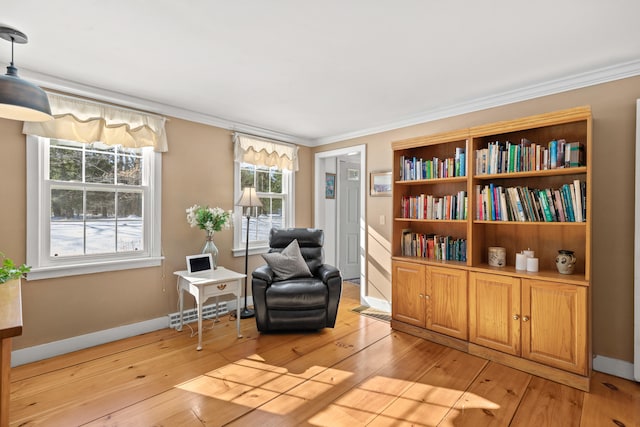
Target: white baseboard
378	304
56	348
80	342
618	368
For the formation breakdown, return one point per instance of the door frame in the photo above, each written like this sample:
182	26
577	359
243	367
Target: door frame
319	201
636	244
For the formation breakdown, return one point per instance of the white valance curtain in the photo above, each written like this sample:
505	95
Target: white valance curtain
265	152
86	121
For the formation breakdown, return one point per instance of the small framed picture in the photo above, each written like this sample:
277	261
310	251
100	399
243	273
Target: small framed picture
380	184
330	186
353	174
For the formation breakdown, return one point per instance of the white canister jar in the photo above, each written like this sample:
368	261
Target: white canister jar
497	256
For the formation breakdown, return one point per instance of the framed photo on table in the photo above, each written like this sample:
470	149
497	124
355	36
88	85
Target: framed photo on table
330	186
380	184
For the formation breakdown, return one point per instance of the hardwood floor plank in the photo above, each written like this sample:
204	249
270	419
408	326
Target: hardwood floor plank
491	400
176	346
270	346
131	375
238	387
354	391
359	373
41	367
430	398
612	402
91	397
549	404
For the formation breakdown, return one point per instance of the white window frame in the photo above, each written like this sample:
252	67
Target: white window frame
44	266
288	203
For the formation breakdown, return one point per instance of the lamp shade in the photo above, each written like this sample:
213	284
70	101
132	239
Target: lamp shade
22	100
19	99
249	198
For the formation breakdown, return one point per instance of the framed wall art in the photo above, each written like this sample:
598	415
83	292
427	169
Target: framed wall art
380	184
330	186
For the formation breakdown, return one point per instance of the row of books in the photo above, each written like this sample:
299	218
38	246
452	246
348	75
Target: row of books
433	246
564	204
413	168
506	157
434	207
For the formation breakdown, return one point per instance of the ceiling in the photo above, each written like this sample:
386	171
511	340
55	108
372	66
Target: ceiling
322	71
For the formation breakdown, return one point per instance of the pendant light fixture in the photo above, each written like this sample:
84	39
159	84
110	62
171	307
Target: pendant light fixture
20	99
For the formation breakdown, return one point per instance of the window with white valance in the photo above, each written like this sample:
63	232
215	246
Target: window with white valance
264	152
86	121
93	189
268	166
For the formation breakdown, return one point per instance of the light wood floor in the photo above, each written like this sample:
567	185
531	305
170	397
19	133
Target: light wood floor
360	373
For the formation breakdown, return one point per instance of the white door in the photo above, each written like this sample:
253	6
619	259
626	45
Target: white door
348	226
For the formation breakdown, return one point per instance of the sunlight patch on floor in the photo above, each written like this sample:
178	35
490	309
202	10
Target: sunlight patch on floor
252	383
383	401
379	400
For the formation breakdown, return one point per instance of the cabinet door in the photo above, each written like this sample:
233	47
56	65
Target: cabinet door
554	324
446	299
494	312
407	295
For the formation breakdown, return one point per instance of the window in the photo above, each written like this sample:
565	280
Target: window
273	186
91	207
268	166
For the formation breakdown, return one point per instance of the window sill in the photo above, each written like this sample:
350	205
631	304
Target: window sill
257	250
50	272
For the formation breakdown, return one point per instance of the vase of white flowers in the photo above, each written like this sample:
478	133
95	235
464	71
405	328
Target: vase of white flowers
210	220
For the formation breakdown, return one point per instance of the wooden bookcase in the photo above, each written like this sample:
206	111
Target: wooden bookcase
534	321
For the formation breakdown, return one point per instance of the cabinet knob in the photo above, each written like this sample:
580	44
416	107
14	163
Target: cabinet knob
525	318
421	296
516	317
427	296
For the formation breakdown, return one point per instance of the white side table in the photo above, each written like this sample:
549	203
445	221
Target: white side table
204	285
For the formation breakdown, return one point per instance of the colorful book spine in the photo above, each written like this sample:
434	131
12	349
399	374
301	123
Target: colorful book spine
553	154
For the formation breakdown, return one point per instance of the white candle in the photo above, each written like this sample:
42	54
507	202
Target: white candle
532	264
521	261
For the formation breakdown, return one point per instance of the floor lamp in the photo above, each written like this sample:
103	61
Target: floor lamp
249	199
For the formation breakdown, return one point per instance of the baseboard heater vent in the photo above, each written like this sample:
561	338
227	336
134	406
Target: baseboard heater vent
191	315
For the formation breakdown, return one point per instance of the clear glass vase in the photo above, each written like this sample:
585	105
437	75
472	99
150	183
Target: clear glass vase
210	248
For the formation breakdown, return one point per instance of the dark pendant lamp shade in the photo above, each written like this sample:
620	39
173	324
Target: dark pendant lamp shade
20	99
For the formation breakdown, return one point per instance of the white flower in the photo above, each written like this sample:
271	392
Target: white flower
209	219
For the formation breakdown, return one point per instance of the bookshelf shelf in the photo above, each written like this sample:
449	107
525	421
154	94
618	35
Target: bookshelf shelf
534	223
432	181
580	170
475	295
435	221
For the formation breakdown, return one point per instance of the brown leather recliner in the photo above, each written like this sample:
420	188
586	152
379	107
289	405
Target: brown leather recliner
301	303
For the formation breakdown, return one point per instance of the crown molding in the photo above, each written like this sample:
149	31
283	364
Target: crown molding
551	87
576	81
70	87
